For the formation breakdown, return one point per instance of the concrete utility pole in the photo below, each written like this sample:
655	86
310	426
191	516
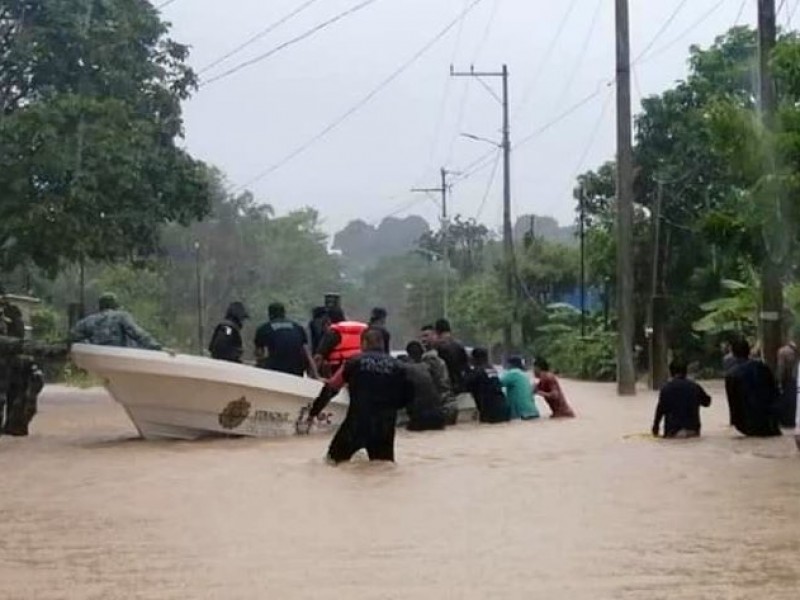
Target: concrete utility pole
443	189
582	207
658	305
626	371
199	290
771	284
508	231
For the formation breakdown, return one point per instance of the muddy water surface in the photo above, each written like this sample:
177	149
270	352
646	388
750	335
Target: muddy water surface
582	509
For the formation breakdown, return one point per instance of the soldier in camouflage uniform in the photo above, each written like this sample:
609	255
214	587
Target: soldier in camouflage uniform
112	327
21	380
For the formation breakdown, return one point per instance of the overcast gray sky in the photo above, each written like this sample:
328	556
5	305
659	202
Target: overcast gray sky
364	168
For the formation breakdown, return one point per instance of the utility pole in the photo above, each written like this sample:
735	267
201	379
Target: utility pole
626	370
582	208
199	276
657	313
771	284
508	231
445	226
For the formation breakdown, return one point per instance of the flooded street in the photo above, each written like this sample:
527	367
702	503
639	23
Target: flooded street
584	509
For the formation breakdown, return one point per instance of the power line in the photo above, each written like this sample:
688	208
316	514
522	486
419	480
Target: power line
489	185
366	99
462	105
548	53
164	4
704	17
741	12
582	53
291	42
661	31
272	27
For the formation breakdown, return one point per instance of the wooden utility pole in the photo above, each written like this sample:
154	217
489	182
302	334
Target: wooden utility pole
508	231
626	371
445	228
771	284
199	290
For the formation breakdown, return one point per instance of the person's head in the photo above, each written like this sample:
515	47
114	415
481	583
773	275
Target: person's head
480	357
442	328
378	317
415	351
237	312
516	362
540	365
276	311
372	340
336	314
740	348
108	301
678	368
427	336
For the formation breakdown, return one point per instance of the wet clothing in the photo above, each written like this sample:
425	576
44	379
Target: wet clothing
226	341
387	337
379	386
425	411
441	379
455	357
12	327
678	406
519	393
484	385
788	358
753	399
112	328
549	388
285	343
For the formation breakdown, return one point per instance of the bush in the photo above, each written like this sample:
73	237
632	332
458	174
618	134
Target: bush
591	357
44	322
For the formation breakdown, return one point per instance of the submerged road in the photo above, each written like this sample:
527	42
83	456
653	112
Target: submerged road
583	509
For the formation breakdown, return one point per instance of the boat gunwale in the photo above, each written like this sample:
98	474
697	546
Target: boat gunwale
106	360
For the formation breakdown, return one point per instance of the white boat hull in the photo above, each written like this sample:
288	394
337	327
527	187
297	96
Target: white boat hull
189	397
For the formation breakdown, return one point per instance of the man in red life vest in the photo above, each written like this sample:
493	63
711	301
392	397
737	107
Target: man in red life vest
341	342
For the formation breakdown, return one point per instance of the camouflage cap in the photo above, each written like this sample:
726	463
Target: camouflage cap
108	301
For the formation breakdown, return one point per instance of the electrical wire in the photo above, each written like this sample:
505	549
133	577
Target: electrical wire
661	31
316	29
164	4
489	186
741	12
702	19
581	54
366	99
256	37
548	53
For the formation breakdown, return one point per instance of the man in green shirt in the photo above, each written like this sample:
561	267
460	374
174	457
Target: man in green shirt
519	390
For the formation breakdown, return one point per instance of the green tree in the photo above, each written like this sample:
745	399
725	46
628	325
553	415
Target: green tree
90	94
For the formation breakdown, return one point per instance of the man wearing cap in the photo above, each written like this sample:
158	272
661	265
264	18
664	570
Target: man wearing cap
226	343
111	326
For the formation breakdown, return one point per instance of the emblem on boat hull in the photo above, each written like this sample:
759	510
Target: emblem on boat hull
235	413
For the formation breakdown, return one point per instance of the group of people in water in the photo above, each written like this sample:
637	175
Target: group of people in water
427	380
436	371
759	401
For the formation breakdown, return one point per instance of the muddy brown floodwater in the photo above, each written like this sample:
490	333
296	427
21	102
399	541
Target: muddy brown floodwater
588	508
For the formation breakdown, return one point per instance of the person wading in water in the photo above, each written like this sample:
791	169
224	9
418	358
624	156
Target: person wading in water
378	386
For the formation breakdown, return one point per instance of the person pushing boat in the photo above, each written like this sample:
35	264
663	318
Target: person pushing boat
378	387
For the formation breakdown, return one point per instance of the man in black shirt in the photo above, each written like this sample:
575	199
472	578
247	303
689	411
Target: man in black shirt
679	404
226	342
453	354
317	325
483	383
378	387
753	395
282	345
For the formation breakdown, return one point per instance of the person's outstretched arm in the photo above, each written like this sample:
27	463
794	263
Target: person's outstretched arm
138	334
329	392
660	411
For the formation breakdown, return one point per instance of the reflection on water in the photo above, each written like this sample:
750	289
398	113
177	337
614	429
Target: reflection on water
578	509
